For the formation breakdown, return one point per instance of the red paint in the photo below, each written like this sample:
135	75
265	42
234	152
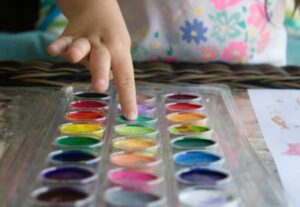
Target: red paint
88	105
84	115
183	106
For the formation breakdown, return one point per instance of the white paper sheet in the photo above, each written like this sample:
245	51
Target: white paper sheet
278	114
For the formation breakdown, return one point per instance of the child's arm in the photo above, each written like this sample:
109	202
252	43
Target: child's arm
97	36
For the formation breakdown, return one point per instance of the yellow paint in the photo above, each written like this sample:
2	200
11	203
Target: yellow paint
133	144
82	129
187	117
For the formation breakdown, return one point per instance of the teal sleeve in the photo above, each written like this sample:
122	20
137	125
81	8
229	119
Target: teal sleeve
26	46
293	51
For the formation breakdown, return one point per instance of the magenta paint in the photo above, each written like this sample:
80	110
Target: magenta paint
179	96
88	105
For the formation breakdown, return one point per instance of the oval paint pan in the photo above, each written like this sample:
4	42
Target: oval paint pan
184	107
179	97
198	159
193	142
134	180
82	177
86	117
61	196
78	142
144	109
73	157
88	105
202	176
133	160
190	129
147	120
135	144
184	117
120	197
91	95
94	130
135	130
208	197
144	98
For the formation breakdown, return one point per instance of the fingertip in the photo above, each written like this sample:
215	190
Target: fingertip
53	49
131	116
74	55
100	85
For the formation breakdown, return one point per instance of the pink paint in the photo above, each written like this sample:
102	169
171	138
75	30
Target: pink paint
133	179
88	105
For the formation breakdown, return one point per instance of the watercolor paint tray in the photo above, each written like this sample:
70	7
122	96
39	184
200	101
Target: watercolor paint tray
187	148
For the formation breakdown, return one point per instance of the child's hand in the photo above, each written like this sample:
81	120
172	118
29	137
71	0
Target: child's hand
97	36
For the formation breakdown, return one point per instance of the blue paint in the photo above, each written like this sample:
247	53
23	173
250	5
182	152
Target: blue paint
195	158
72	156
201	176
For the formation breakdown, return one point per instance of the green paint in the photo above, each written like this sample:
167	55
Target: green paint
77	141
134	129
188	129
140	119
192	143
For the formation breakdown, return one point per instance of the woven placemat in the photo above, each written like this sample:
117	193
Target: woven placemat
40	73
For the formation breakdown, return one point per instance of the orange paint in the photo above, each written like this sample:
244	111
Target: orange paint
187	117
132	160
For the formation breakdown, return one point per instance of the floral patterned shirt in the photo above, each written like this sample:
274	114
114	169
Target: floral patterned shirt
234	31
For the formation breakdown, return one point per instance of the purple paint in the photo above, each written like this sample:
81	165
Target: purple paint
201	176
67	173
144	109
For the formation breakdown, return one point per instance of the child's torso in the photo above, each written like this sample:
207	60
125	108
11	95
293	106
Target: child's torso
206	30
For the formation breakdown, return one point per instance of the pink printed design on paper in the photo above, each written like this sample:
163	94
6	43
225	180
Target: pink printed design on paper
293	149
258	15
235	52
208	53
223	4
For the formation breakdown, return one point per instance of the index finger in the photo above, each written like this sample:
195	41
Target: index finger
122	69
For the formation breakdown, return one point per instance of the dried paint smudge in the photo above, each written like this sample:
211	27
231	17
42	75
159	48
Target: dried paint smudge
279	122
